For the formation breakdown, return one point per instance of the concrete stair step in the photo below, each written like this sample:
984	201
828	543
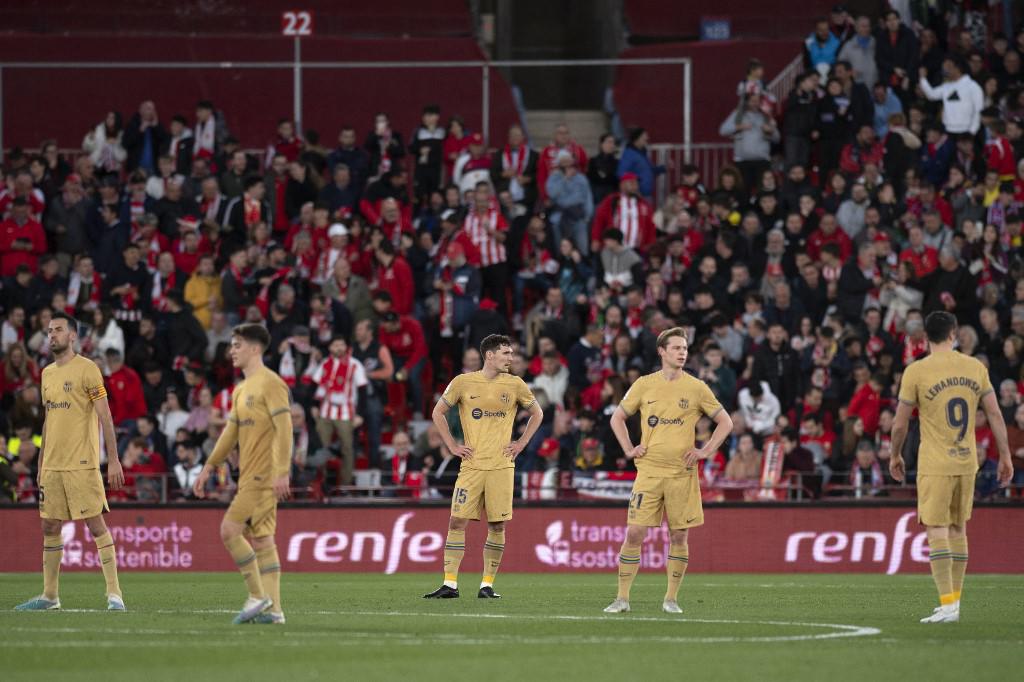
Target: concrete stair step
585	126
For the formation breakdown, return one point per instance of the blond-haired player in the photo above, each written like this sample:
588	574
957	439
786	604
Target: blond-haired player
670	403
261	424
946	388
70	484
487	401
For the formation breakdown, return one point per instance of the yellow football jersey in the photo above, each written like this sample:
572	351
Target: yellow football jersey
487	409
946	388
669	411
255	405
72	433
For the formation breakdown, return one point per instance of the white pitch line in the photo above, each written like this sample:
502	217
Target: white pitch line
840	630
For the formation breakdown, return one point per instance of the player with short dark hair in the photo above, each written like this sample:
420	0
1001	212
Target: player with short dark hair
946	387
69	481
260	424
487	400
670	403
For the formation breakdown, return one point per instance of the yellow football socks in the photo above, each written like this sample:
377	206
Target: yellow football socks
678	558
629	565
958	550
270	573
108	560
245	559
53	551
454	550
493	549
941	560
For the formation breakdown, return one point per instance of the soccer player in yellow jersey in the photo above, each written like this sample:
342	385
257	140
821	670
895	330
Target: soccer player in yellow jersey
70	484
260	424
946	388
670	403
487	402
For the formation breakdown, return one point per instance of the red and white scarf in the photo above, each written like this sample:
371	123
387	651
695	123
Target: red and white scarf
210	207
222	401
336	389
447	302
478	228
263	298
158	294
286	370
206	138
252	211
628	220
137	209
635	321
75	290
523	153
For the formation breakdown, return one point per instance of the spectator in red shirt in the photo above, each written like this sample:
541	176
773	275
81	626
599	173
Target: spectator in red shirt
142	469
865	149
867	404
24	188
828	232
922	257
928	200
627	211
22	239
392	274
403	336
187	253
124	391
999	152
276	182
286	144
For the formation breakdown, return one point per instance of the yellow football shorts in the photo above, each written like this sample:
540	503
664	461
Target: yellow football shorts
69	495
655	498
491	489
256	508
944	500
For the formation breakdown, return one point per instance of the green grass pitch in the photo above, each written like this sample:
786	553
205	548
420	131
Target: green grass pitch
547	627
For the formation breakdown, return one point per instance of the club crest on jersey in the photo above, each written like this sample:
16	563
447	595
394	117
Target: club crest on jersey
684	404
68	386
250	401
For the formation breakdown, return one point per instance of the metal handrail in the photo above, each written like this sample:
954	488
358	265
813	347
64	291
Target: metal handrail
793	483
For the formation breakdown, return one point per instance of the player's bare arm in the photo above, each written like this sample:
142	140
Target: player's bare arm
225	444
618	422
281	420
900	426
440	417
42	451
1004	471
723	427
513	449
115	474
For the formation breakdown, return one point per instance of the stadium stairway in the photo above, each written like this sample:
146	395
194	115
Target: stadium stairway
586	126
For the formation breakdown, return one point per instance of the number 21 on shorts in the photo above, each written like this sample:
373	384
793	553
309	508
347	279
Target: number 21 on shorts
635	499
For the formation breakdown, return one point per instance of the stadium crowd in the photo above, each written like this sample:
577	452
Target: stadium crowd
888	184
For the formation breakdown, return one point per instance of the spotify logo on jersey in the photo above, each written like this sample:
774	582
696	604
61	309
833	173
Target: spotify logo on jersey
652	421
480	414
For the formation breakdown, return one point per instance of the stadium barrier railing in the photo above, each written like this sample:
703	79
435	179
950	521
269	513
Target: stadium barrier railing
163	489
